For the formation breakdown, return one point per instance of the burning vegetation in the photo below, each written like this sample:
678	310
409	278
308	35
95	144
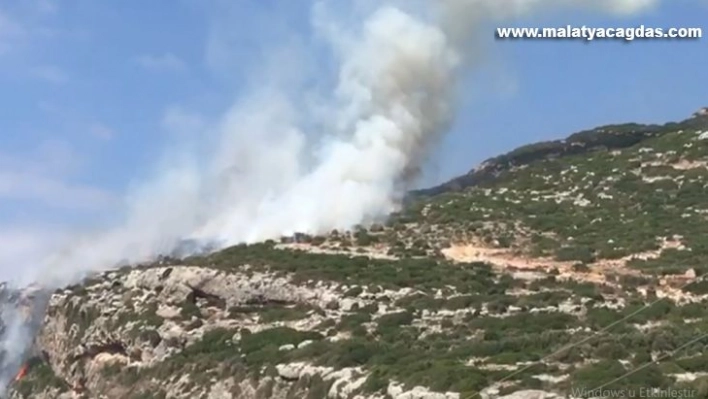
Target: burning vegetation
22	372
31	363
36	371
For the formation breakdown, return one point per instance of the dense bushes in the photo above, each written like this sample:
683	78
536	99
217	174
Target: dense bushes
359	270
593	205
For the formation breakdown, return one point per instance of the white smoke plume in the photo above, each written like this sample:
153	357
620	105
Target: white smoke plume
262	176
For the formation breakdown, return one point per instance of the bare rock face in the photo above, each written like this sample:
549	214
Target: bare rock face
186	332
138	320
101	338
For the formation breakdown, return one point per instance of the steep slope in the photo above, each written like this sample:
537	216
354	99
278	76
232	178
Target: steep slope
603	202
541	270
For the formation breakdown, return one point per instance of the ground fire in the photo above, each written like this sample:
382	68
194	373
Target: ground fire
22	372
28	365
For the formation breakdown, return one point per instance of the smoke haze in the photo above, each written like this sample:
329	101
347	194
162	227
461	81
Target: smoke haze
264	175
260	171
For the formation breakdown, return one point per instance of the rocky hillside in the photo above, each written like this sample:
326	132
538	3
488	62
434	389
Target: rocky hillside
556	270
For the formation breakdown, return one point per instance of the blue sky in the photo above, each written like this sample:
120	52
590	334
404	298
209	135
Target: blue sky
92	91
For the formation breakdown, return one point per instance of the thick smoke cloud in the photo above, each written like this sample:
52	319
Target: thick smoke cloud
262	175
394	101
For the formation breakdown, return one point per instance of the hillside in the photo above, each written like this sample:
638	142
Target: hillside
558	267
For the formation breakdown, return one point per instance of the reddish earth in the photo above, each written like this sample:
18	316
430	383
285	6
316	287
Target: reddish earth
504	259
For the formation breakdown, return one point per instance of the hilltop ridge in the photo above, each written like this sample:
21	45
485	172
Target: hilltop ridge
606	137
